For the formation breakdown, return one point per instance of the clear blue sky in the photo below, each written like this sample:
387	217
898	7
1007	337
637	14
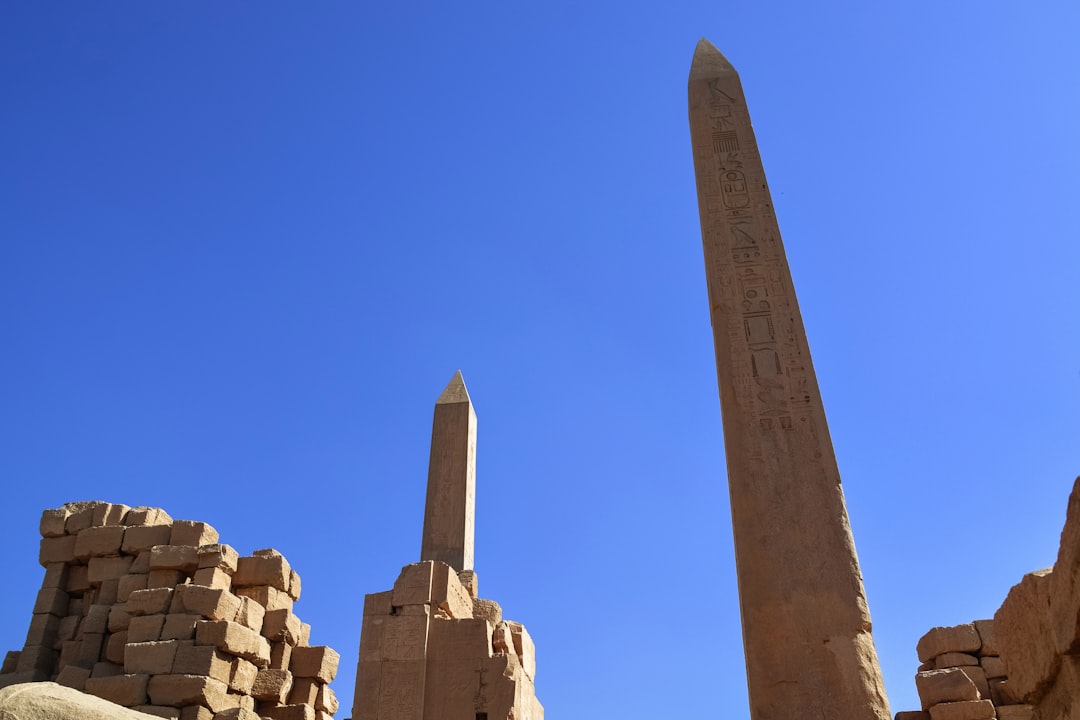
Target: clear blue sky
243	247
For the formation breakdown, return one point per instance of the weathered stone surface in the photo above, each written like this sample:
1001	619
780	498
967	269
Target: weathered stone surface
272	684
52	601
139	539
196	534
1001	693
146	628
37	659
102	541
251	614
212	577
44	629
129	584
148	516
51	701
289	712
281	626
326	701
525	648
74	677
294	585
944	686
940	640
109	514
236	714
971	710
210	603
988	636
488	610
106	669
100	569
203	660
162	711
378	603
126	690
151	601
320	662
243	676
234	639
1025	636
53	521
164	578
1015	712
305	691
994	666
183	558
954	659
150	658
269	597
180	690
115	646
220	556
272	570
179	626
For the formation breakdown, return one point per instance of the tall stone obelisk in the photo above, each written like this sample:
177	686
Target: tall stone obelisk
450	511
805	620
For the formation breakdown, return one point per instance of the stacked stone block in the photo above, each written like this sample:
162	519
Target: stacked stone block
155	614
964	677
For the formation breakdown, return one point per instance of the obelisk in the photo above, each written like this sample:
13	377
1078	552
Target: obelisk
450	510
805	620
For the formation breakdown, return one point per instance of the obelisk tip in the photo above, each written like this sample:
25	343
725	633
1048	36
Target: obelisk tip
708	62
455	391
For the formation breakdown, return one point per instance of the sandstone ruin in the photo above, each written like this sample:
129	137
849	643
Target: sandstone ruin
156	615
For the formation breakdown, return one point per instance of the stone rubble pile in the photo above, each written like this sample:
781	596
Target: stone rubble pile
155	614
963	676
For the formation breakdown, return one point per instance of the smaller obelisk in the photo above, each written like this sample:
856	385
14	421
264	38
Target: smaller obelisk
450	511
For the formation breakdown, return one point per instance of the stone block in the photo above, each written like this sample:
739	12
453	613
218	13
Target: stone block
269	597
37	658
1001	693
96	619
53	601
127	690
220	556
141	566
141	516
114	647
326	700
44	630
99	541
203	660
91	647
119	618
289	712
305	691
129	584
969	710
487	610
305	634
73	677
197	712
181	690
146	628
78	579
109	514
142	538
258	570
53	521
106	592
210	603
237	713
470	582
212	577
71	654
151	601
272	685
280	655
69	627
988	636
319	662
378	603
11	659
243	676
179	626
106	669
1015	712
978	677
182	558
954	659
251	614
294	585
55	576
196	534
57	550
281	626
1064	583
80	517
994	666
944	686
234	639
100	569
941	640
448	594
164	578
525	648
413	585
162	711
77	605
151	658
1025	636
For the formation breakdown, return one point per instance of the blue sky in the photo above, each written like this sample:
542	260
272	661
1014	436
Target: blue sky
243	247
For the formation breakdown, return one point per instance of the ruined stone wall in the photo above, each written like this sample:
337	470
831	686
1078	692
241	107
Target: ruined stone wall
155	614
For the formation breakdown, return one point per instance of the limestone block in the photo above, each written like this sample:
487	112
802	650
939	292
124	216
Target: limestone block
1001	692
941	640
203	660
129	584
55	576
272	570
52	701
234	639
326	700
988	635
269	597
1064	583
162	711
151	658
90	649
69	626
164	578
99	541
114	647
146	628
970	710
53	521
183	558
150	601
378	603
57	550
251	614
1025	637
281	626
289	712
141	566
280	655
53	601
71	654
470	582
944	686
100	569
73	677
106	669
236	714
954	659
106	593
978	677
139	539
119	618
180	690
212	577
1015	712
80	517
525	648
77	606
126	690
395	637
294	585
196	534
96	620
141	516
272	684
448	594
305	691
198	712
44	629
487	610
413	585
11	659
220	556
179	626
37	658
368	689
78	579
305	635
109	514
210	603
243	676
320	662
